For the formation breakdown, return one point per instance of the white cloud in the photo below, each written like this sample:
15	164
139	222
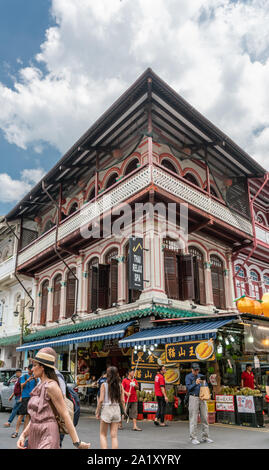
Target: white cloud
215	53
12	190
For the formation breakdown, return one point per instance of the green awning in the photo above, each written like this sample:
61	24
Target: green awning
158	311
10	340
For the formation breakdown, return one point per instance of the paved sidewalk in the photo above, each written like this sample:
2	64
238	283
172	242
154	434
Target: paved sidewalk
175	436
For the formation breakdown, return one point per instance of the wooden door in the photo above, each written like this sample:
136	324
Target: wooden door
217	276
71	295
44	302
171	274
57	297
186	277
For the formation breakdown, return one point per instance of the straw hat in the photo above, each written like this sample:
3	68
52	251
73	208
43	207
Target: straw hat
45	359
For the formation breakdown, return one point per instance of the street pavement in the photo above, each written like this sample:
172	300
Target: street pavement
175	436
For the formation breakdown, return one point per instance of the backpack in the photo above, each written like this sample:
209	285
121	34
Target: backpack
73	396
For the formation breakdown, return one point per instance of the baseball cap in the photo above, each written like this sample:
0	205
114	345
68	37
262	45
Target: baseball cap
195	366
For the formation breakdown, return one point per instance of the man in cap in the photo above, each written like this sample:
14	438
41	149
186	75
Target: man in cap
193	383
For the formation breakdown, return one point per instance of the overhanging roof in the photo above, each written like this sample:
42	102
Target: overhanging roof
170	113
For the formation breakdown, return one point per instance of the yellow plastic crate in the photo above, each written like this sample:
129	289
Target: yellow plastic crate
211	406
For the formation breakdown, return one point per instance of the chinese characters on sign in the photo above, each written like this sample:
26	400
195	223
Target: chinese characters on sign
146	374
136	264
189	351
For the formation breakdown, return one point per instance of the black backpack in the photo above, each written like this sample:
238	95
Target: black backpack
73	396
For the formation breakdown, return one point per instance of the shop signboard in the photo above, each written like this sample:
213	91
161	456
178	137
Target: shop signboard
190	351
150	407
225	403
245	404
136	264
147	375
155	359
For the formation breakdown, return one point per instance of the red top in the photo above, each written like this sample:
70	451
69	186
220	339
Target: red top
159	381
248	379
126	386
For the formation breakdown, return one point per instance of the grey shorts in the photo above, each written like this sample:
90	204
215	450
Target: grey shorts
132	410
111	414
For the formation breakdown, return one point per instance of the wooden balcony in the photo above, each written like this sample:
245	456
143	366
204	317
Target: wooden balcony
124	190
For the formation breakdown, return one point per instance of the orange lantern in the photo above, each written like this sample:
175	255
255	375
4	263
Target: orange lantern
265	304
245	305
257	307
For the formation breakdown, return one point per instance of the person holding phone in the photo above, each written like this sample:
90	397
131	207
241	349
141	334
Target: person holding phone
193	382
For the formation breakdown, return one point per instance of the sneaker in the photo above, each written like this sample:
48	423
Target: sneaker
206	439
195	441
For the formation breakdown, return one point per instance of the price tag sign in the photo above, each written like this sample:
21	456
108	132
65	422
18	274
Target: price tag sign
245	404
225	403
150	407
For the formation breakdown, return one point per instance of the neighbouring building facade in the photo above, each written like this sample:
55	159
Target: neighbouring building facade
150	148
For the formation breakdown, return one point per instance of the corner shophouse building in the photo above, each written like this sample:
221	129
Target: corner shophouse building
156	149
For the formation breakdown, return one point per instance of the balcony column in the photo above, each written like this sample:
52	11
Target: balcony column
153	264
50	304
208	284
37	297
230	286
81	285
121	277
63	300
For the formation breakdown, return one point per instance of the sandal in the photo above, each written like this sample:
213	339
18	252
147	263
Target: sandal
156	422
15	434
137	429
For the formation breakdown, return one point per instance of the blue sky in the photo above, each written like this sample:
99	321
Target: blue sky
63	62
22	29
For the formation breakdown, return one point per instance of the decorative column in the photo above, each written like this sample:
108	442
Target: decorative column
230	285
208	284
81	286
36	296
63	300
121	278
50	305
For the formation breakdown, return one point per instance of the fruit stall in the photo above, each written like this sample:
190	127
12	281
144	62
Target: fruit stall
241	406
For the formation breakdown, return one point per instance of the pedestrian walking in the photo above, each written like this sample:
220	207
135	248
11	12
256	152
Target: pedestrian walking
45	403
28	383
193	383
108	408
160	393
130	387
17	394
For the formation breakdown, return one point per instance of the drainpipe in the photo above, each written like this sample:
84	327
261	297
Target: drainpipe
57	252
149	133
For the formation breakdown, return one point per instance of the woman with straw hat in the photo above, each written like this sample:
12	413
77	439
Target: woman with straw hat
42	432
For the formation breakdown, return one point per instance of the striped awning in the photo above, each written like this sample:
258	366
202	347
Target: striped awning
98	334
194	331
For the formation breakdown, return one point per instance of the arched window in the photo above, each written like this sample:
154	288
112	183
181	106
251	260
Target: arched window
171	268
57	297
131	295
241	284
169	165
49	225
91	195
199	275
73	208
189	177
131	166
44	302
93	284
70	294
112	263
111	180
256	290
266	282
217	277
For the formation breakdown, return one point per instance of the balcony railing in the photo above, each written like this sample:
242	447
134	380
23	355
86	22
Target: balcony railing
7	267
123	190
262	234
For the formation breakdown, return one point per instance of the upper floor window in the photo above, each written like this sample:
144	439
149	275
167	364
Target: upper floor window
111	180
71	287
256	289
261	219
217	278
266	282
57	297
241	284
131	166
103	282
73	208
178	272
49	225
169	165
44	302
191	178
199	275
